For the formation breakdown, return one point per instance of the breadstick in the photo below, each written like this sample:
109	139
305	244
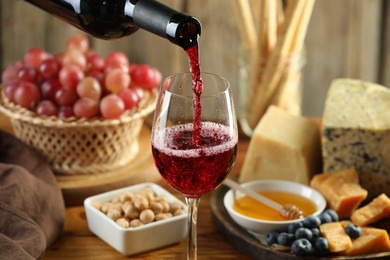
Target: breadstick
266	41
246	22
296	9
288	93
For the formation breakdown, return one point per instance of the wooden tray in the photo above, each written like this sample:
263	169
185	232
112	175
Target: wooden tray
248	244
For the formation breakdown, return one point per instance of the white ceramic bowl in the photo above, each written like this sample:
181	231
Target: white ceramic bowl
131	241
264	226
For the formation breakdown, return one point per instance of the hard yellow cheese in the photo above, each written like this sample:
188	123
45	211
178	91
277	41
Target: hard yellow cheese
284	147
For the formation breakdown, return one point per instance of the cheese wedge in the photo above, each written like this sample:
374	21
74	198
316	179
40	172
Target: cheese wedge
356	132
341	190
377	209
284	147
372	240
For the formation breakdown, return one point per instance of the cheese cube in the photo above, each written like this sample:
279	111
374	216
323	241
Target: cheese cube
284	147
356	132
376	210
334	233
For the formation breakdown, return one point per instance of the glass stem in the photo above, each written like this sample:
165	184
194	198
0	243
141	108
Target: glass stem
192	204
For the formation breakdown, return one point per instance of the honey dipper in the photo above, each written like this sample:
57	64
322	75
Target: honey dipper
288	211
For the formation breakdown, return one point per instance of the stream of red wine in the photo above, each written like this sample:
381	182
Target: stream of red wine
197	87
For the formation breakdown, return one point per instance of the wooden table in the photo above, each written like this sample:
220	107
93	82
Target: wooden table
77	242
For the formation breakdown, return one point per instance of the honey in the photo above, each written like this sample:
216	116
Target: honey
255	209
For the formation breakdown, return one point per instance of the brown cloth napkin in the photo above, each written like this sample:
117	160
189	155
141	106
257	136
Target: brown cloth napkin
32	209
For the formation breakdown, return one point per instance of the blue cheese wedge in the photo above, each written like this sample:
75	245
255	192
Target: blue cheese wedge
284	147
356	132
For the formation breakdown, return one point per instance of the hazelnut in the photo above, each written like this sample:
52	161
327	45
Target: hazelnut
146	216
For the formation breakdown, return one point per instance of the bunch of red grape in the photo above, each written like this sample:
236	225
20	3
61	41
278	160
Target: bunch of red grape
78	82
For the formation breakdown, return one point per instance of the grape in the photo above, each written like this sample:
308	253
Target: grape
65	97
26	94
95	62
70	76
146	76
99	76
117	80
28	74
59	57
117	60
47	108
89	87
9	74
75	57
85	108
140	92
112	106
34	57
129	97
49	68
132	67
65	112
157	77
49	88
78	42
9	89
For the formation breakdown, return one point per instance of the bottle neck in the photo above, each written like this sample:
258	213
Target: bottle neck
161	20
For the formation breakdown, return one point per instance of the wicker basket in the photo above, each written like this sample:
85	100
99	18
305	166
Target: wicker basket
77	146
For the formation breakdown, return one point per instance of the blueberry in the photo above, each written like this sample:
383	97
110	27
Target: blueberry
302	247
325	218
321	246
285	239
333	214
316	234
311	222
292	227
272	237
303	233
353	231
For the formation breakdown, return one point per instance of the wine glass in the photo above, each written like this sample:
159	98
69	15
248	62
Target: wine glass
193	158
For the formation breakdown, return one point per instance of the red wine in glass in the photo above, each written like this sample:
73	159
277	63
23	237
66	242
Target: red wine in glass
194	170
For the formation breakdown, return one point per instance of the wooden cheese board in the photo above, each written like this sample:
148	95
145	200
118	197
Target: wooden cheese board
248	244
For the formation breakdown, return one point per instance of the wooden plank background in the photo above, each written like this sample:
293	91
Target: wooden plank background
345	39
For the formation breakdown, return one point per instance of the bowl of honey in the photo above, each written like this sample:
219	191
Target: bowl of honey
260	218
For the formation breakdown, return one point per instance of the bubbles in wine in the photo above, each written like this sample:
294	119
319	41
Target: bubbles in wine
224	140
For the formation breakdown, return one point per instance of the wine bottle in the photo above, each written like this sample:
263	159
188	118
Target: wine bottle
112	19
